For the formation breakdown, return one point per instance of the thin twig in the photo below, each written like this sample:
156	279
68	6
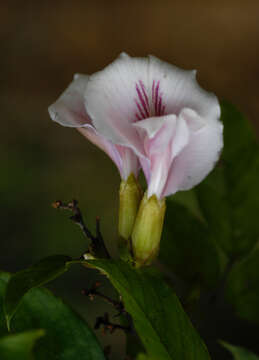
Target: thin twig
99	236
77	217
93	292
97	246
108	326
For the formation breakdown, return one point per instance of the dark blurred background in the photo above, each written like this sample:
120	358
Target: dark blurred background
43	43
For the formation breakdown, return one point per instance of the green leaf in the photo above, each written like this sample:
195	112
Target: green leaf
37	275
143	356
239	353
19	346
161	323
216	209
4	278
67	336
229	196
238	132
186	247
242	287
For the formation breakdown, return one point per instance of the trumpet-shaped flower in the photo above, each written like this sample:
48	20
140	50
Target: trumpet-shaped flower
162	114
169	121
145	110
69	110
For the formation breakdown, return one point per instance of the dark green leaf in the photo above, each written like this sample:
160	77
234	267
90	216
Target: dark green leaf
238	132
159	319
239	353
229	197
4	277
143	356
19	346
67	336
37	275
212	196
242	288
187	248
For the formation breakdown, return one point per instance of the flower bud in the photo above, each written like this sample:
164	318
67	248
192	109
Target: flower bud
148	229
130	196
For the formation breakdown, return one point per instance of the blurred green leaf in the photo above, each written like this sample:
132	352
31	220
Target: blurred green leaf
229	197
143	356
4	277
67	336
239	353
238	132
159	319
212	196
186	247
37	275
242	287
19	346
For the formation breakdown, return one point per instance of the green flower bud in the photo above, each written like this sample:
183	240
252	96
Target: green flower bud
147	230
130	196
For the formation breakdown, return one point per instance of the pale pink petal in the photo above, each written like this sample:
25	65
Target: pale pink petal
129	161
123	157
161	161
111	98
152	125
192	119
197	159
69	110
179	89
164	137
157	131
148	129
110	149
159	173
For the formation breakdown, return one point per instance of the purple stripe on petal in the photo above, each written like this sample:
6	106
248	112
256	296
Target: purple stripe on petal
145	95
140	110
156	97
142	101
159	105
137	116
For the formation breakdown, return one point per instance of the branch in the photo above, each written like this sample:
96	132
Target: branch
93	292
108	326
97	246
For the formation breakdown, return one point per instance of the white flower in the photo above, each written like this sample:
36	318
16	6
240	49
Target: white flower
162	114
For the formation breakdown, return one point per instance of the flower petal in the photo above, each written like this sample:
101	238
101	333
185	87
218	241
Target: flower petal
197	159
164	138
129	161
110	100
69	109
154	145
123	157
156	133
179	89
193	120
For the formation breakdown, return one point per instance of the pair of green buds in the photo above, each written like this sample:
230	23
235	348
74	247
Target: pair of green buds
141	221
